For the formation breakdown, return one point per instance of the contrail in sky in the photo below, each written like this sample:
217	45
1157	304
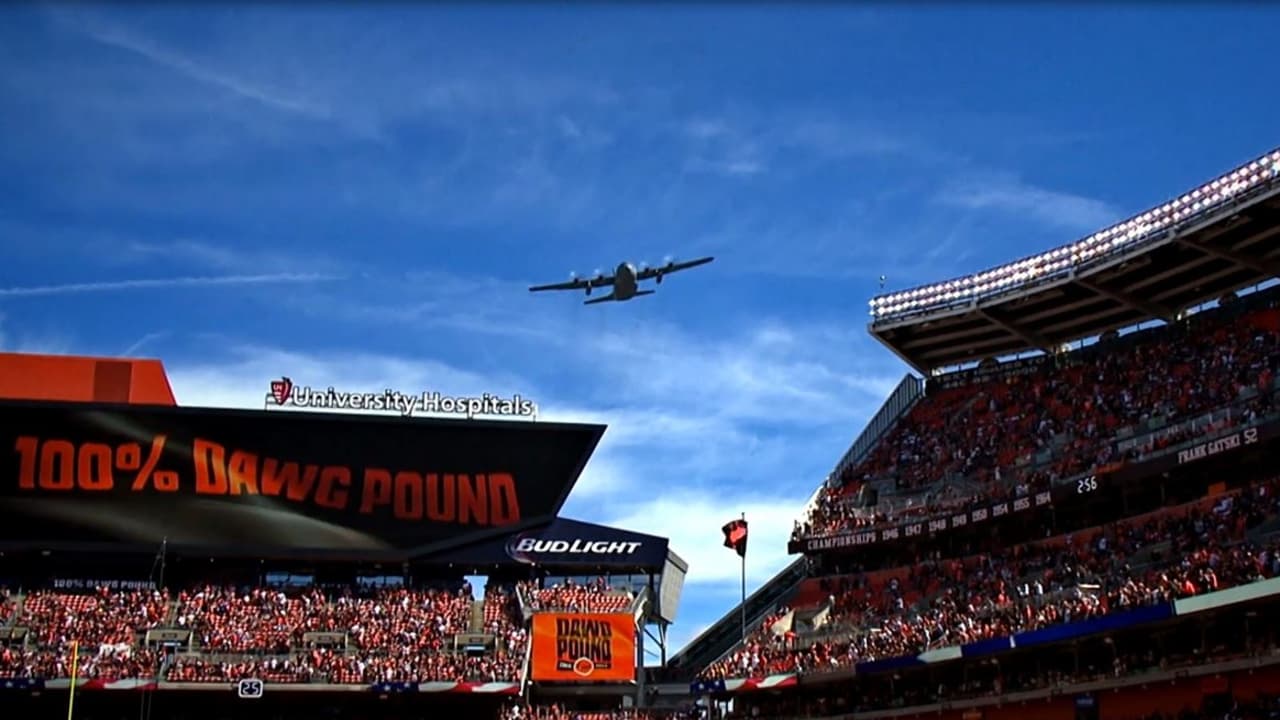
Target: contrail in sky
113	286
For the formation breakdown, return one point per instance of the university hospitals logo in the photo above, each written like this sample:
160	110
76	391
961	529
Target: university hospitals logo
284	393
281	390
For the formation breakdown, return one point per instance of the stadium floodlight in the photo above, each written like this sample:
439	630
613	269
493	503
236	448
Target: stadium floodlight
1125	235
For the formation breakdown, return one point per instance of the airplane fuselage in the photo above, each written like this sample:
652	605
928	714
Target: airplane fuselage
624	281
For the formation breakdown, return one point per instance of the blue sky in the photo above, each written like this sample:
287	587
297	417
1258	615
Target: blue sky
373	189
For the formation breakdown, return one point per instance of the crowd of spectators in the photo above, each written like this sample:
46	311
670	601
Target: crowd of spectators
103	617
385	634
568	596
393	634
1061	580
334	666
419	620
105	663
1001	680
988	434
504	619
256	620
288	669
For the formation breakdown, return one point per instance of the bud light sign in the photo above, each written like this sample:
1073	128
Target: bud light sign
532	549
568	542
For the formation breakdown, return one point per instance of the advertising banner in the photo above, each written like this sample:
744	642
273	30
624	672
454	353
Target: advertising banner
284	394
1227	443
221	479
1245	439
583	647
563	544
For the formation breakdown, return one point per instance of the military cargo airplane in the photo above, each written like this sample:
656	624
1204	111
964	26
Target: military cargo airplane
624	280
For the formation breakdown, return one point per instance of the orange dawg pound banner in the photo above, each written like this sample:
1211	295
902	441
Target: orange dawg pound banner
584	647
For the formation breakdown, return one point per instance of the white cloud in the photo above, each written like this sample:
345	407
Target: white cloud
678	636
693	523
47	343
841	140
733	166
1051	207
721	148
248	258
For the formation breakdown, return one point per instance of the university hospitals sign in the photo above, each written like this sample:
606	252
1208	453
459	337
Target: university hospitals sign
285	394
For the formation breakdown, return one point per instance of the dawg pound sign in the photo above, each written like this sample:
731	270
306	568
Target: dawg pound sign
583	646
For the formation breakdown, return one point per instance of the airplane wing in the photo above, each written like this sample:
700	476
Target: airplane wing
653	272
576	284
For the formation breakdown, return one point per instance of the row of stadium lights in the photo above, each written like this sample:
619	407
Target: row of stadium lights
1136	229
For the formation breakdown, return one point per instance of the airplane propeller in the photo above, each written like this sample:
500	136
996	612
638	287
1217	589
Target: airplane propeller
667	261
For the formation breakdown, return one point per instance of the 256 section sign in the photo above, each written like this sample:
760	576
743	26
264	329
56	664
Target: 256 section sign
584	647
217	478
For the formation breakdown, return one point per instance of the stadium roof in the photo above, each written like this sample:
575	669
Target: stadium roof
1216	239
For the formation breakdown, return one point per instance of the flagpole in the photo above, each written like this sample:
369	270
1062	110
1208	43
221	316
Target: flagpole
744	589
75	667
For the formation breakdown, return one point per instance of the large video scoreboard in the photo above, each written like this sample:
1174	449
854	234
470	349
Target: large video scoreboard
232	480
583	647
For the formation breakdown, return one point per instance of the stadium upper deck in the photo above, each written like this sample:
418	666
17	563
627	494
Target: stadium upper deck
1204	246
1210	241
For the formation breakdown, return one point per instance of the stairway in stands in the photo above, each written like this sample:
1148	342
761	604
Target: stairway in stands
724	636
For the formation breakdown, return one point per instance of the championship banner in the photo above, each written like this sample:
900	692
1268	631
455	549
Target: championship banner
583	647
247	480
924	527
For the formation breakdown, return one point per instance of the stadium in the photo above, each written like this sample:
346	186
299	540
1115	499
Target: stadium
1070	512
